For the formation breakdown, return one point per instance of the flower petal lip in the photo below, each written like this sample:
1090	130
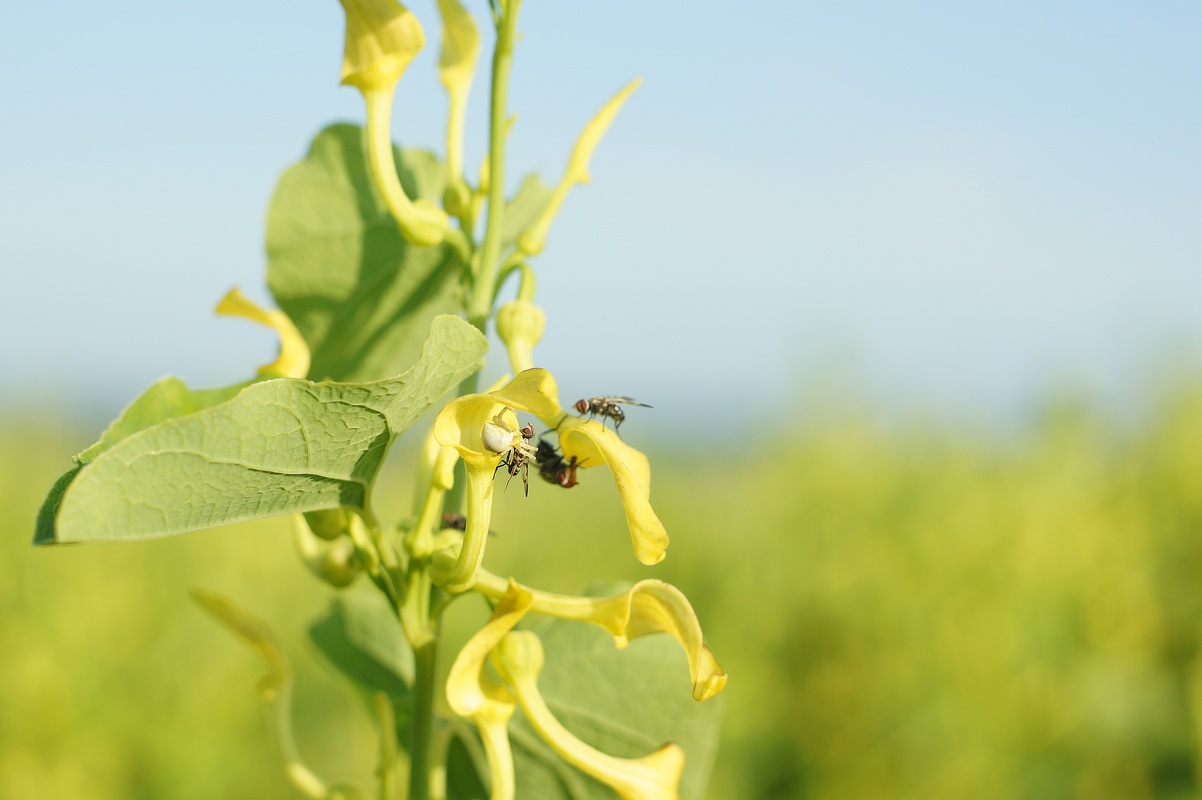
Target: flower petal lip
293	361
382	37
590	441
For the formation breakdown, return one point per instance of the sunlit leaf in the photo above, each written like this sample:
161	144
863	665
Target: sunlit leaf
276	447
362	637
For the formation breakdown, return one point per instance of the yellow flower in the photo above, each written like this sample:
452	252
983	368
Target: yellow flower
456	64
461	425
650	606
518	659
382	37
474	694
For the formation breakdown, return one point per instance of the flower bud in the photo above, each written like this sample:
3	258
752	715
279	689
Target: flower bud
520	325
339	566
328	524
518	657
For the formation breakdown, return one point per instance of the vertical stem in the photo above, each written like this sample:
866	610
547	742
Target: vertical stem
423	720
481	303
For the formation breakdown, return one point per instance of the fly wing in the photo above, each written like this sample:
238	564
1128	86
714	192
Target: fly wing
620	400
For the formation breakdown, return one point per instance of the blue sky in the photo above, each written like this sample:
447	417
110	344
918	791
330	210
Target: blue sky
961	200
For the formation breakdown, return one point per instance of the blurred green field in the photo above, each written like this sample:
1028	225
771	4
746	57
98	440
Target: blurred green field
905	610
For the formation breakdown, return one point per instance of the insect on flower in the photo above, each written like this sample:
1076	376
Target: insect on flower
552	467
453	519
607	406
518	458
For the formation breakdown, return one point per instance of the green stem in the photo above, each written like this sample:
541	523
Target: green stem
423	721
482	293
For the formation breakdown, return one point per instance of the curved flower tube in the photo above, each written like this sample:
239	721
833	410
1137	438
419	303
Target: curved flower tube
382	38
474	694
518	660
456	65
293	361
650	606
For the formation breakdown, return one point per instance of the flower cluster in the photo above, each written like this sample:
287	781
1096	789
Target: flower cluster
482	429
479	428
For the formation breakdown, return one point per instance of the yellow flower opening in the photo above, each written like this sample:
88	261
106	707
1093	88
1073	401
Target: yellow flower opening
462	422
518	659
382	37
650	606
293	361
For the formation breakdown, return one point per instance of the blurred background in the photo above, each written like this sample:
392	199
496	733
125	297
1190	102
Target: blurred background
913	289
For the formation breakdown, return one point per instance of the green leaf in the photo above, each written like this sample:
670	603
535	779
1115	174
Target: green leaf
520	212
622	702
465	770
338	266
277	447
167	399
362	637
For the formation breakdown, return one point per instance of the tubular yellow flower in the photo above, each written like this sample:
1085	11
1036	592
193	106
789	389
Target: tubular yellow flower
382	37
520	325
472	692
456	65
293	361
533	238
518	660
650	606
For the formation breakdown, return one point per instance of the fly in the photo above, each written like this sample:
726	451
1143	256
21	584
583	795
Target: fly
607	406
552	467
